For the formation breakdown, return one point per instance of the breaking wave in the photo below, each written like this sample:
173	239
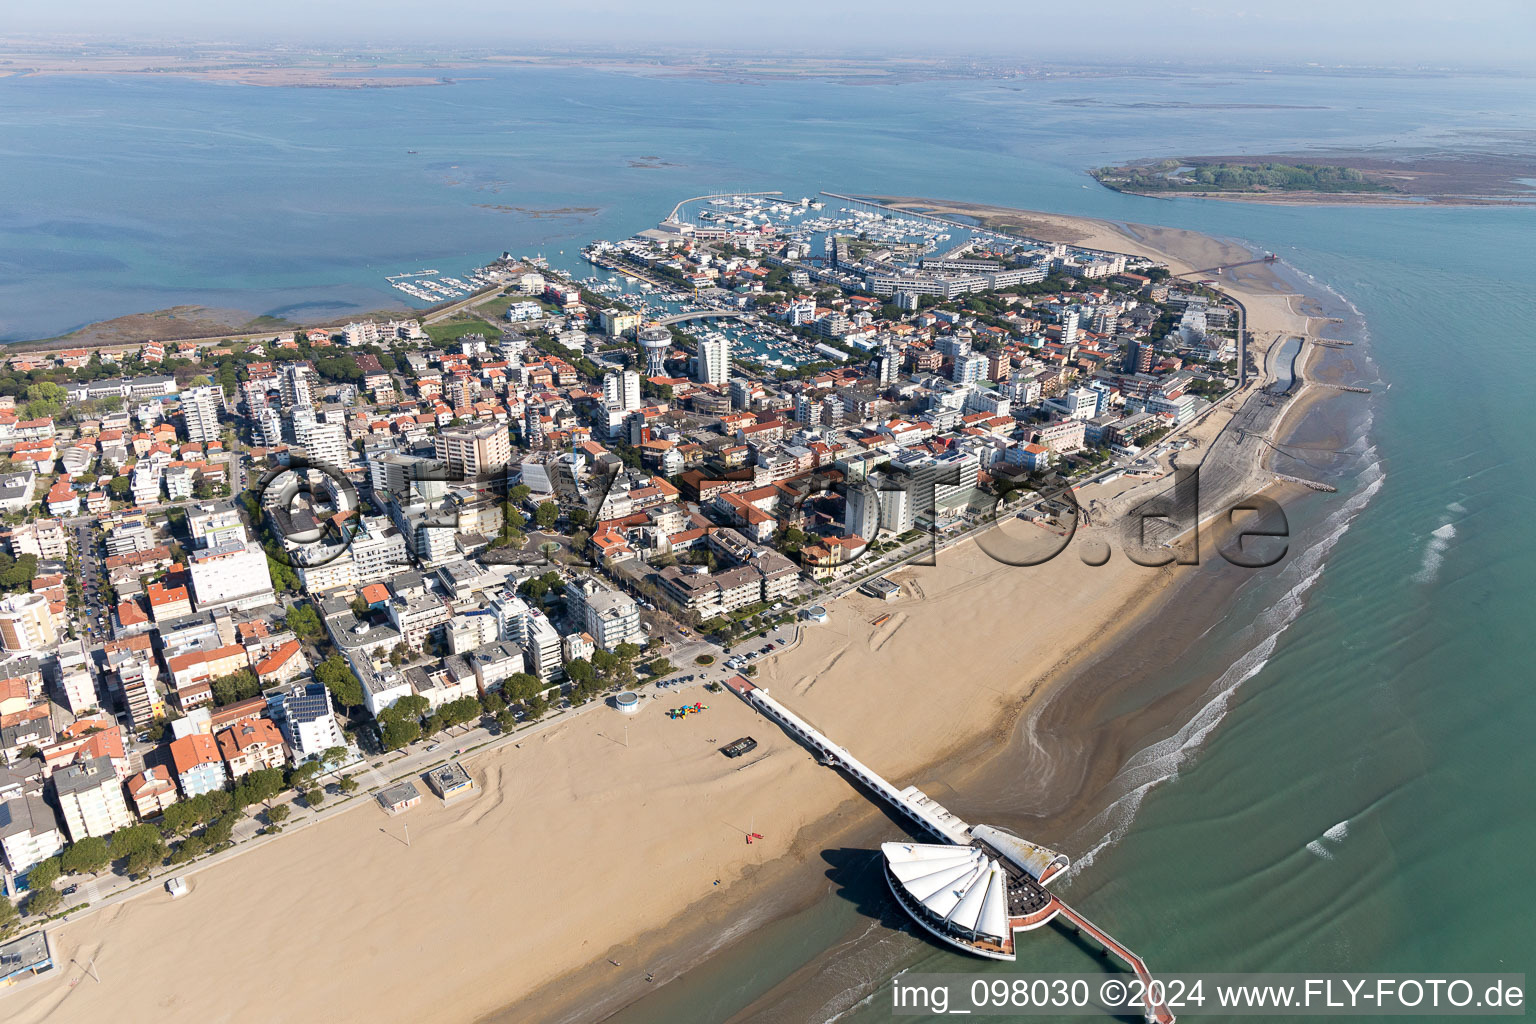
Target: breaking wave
1337	834
1160	762
1434	553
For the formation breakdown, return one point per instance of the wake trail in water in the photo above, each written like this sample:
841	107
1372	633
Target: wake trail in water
1160	762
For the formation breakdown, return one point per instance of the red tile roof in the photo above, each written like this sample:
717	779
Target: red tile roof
190	751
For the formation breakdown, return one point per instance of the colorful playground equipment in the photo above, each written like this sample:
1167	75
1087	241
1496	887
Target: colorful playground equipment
686	710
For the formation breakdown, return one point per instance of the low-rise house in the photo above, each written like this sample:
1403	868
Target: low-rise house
85	740
443	685
129	619
16	491
252	744
168	604
206	665
282	664
32	727
151	791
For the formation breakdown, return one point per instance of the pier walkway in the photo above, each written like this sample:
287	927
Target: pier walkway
911	802
1155	1010
1027	866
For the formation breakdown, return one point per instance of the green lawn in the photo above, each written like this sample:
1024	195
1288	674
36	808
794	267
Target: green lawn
457	327
497	307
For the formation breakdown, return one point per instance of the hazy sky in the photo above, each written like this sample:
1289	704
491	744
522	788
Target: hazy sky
1468	32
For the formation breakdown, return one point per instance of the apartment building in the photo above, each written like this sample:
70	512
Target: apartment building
308	721
473	453
766	576
610	616
29	833
26	623
378	551
199	768
712	360
418	617
231	574
323	443
200	411
90	797
45	538
542	648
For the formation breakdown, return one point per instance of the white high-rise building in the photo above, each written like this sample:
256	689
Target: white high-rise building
612	617
144	482
378	550
269	426
309	721
231	574
1079	403
298	385
91	796
200	409
712	361
511	613
543	647
861	516
895	505
1069	327
621	390
29	832
323	443
969	368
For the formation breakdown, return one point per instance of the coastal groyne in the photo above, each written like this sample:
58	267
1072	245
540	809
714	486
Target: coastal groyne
1313	484
1344	387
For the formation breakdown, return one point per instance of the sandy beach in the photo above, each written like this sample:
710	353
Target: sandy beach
604	838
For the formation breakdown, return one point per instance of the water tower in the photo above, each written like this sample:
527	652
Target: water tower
654	342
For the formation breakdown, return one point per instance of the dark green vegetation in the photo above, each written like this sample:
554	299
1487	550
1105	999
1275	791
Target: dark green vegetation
1174	175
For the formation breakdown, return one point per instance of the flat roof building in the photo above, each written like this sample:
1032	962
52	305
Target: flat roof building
402	796
450	781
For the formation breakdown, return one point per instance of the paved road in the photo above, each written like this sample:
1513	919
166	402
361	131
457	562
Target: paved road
108	889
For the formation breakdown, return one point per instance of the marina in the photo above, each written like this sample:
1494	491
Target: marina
433	286
822	243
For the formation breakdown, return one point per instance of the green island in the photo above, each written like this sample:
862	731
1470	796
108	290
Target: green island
1176	175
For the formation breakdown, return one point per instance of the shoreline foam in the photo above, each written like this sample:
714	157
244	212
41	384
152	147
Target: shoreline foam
606	855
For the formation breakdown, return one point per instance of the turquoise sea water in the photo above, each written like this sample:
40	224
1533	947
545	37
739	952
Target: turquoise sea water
1364	800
